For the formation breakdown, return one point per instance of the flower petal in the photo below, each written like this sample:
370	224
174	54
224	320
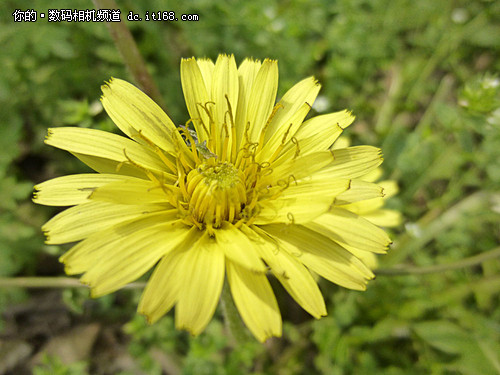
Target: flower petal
80	221
134	191
238	247
128	259
353	162
384	218
262	98
103	145
196	95
137	115
224	83
302	201
294	277
247	72
202	284
81	257
107	166
351	231
303	92
71	190
207	69
359	190
162	289
320	132
284	134
255	300
322	255
302	166
390	188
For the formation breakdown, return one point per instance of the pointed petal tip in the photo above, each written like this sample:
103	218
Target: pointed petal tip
149	319
268	60
187	59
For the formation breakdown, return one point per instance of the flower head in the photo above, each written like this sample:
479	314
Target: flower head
246	188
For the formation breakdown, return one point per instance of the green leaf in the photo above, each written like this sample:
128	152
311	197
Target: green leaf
443	335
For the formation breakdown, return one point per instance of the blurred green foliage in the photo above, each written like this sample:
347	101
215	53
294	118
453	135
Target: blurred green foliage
51	365
422	77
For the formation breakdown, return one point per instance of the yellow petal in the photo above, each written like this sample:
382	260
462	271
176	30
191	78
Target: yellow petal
207	69
368	258
284	134
351	231
103	145
302	166
238	247
203	270
107	166
303	92
262	98
373	175
71	190
302	201
295	278
128	259
80	221
247	72
162	290
81	257
353	162
134	191
359	190
224	83
384	218
255	300
390	187
320	132
322	255
263	245
196	96
134	112
341	142
364	207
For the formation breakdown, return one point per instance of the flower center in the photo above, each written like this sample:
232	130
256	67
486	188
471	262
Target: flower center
217	193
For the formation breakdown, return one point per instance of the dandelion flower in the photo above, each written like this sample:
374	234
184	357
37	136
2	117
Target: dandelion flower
246	189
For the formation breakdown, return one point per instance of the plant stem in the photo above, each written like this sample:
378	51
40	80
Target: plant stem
51	282
232	318
130	53
463	263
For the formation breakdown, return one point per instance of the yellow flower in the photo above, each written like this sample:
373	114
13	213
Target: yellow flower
246	192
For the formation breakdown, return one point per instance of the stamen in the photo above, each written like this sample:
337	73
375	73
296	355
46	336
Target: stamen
295	141
180	178
226	142
233	130
171	194
264	129
200	119
158	151
212	134
216	193
280	147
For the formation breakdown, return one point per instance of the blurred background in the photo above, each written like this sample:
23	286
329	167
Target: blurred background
421	78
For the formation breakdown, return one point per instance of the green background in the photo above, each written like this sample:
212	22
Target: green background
421	78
